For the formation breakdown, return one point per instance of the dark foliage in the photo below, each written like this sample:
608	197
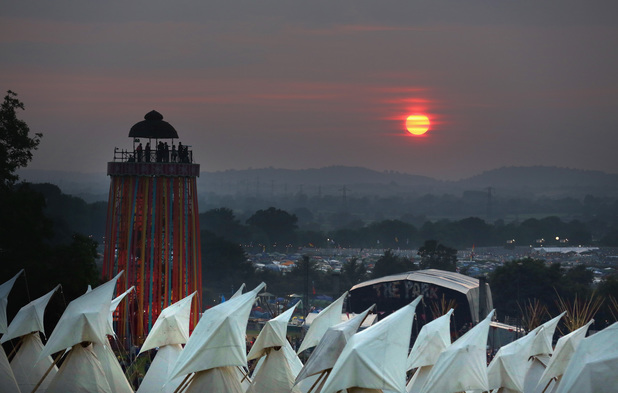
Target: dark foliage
389	264
437	256
16	144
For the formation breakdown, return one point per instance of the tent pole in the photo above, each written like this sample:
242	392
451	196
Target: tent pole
546	386
253	366
324	380
183	384
316	381
245	375
48	371
370	310
15	348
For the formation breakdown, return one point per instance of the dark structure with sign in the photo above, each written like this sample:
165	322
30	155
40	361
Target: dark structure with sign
440	290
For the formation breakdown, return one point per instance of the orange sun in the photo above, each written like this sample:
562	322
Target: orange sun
417	124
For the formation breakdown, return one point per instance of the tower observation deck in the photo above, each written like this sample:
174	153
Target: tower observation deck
152	230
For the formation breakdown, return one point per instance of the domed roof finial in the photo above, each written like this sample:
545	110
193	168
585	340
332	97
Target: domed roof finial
153	127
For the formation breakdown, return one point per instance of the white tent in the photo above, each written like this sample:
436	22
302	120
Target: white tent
7	379
29	318
345	316
8	384
239	291
157	376
274	374
543	343
593	365
292	358
375	358
328	317
28	372
463	365
116	379
433	338
5	289
565	348
172	325
85	319
81	371
168	333
112	309
541	352
218	340
217	379
326	353
27	324
114	374
273	334
508	368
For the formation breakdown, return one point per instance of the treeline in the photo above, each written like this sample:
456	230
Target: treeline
277	230
395	222
328	212
529	290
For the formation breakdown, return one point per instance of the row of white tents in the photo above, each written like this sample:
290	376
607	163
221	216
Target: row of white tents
214	357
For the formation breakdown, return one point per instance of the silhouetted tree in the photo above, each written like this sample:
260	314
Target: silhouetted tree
353	271
222	222
577	281
16	144
437	256
517	282
278	225
224	264
390	263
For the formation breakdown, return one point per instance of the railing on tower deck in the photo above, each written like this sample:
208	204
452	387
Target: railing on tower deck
183	156
157	163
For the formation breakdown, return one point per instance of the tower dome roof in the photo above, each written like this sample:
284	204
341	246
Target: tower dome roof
153	127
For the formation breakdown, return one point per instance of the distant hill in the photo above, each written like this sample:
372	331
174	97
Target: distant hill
546	180
529	181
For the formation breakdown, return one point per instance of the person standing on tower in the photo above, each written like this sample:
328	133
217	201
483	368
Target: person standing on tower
139	152
174	154
147	151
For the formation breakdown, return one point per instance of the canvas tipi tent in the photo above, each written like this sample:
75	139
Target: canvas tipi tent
218	341
593	366
275	374
508	368
375	358
433	338
8	383
463	365
328	317
541	351
326	353
169	332
565	348
84	321
28	324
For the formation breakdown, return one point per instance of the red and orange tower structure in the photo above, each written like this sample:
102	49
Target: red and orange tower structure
152	230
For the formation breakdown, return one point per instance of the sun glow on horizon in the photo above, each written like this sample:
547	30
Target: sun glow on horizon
417	124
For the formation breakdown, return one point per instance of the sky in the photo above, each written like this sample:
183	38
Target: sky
295	85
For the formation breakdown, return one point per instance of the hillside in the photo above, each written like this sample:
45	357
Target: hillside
335	180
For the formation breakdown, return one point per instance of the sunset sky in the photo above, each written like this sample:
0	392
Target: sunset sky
290	84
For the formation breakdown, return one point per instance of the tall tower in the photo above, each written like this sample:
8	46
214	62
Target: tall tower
152	230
